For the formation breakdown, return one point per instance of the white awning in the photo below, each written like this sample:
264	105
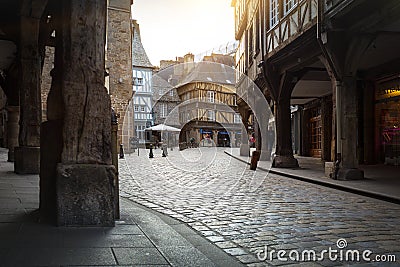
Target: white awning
163	128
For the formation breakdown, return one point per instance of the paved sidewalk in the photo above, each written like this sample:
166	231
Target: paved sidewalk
380	181
141	238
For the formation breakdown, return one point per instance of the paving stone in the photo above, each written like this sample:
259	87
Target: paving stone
247	259
184	256
225	244
215	238
142	256
124	229
235	251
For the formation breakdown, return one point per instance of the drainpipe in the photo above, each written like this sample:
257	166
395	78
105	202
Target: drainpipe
338	86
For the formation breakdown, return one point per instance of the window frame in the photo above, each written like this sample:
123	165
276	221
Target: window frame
210	96
289	5
273	13
163	110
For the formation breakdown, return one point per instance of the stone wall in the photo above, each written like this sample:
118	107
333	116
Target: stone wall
118	58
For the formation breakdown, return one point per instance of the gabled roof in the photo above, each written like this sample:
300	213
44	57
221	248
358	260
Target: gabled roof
139	56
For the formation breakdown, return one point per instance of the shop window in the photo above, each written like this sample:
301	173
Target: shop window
390	134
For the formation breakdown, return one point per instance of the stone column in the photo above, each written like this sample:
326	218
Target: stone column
347	110
284	153
85	177
326	120
27	155
12	130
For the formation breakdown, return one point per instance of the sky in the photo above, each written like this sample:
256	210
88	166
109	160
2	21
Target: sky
171	28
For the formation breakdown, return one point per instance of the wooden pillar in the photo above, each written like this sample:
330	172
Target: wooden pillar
244	144
326	120
51	139
333	140
284	152
27	155
85	177
12	130
349	130
343	52
264	139
11	90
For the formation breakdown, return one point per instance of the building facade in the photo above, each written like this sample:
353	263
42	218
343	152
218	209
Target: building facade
142	102
166	101
208	111
336	63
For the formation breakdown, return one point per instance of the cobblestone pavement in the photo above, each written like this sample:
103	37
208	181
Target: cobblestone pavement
246	212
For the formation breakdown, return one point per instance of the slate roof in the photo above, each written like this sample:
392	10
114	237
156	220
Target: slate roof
139	56
210	72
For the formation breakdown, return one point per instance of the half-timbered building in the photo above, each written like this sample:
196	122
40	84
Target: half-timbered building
142	102
338	62
208	110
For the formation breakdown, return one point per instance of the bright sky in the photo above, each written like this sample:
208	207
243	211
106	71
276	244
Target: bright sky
171	28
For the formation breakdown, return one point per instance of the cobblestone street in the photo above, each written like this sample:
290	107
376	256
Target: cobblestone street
244	212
